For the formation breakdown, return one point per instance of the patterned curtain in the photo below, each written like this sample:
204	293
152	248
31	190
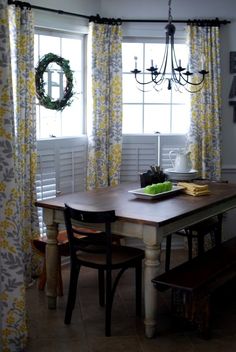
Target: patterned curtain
205	129
18	218
22	57
105	140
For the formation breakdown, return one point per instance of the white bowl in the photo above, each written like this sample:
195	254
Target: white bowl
181	176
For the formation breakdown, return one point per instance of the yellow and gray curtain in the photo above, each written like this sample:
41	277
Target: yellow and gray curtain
205	129
105	139
18	217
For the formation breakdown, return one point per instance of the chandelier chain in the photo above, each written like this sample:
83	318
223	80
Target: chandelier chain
169	16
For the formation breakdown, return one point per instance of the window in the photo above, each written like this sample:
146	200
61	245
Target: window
70	121
166	111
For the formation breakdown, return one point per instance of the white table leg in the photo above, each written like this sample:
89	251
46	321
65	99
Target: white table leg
151	266
52	261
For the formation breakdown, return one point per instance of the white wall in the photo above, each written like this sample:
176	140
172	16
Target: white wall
65	22
159	8
84	7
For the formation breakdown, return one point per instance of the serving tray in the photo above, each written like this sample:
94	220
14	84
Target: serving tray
139	193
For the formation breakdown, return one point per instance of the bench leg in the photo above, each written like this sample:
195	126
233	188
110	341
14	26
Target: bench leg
218	232
168	250
190	244
204	325
200	242
193	308
200	313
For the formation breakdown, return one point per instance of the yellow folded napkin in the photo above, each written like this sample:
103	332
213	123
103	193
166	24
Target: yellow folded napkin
194	189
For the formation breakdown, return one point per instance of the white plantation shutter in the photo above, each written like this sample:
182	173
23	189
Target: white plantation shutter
138	153
45	179
62	162
46	175
141	151
72	167
61	168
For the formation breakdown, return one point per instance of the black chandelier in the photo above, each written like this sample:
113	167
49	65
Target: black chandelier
178	76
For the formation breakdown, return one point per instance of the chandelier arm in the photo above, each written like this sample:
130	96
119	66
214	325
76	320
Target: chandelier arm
162	78
143	83
185	86
193	83
165	57
176	79
176	86
193	91
174	56
174	62
164	63
181	76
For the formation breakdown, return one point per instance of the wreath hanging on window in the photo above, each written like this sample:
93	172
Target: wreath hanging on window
44	99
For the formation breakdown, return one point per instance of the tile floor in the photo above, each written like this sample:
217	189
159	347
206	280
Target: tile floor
47	332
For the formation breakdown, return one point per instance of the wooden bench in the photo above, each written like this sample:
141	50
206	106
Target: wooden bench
194	282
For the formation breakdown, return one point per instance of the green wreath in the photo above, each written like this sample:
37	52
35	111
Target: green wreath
44	99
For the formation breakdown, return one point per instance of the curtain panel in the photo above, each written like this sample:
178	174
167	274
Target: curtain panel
18	222
105	140
204	138
22	59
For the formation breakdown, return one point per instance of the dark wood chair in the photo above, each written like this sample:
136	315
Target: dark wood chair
212	226
39	245
98	252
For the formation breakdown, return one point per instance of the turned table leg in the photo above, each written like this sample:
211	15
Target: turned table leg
151	266
52	261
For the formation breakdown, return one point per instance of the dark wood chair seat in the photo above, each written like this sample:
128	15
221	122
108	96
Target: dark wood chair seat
99	253
121	255
39	245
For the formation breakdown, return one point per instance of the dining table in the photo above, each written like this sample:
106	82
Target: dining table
149	219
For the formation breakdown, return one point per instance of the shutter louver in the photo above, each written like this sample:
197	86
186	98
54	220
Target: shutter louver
61	168
138	153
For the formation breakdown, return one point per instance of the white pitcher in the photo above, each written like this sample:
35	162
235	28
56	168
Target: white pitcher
181	162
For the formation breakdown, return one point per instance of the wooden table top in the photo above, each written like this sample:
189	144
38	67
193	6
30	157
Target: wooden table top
130	208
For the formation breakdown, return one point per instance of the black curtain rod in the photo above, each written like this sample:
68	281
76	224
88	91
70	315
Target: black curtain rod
199	22
194	21
59	12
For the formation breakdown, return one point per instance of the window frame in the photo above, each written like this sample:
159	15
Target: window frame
83	37
149	40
